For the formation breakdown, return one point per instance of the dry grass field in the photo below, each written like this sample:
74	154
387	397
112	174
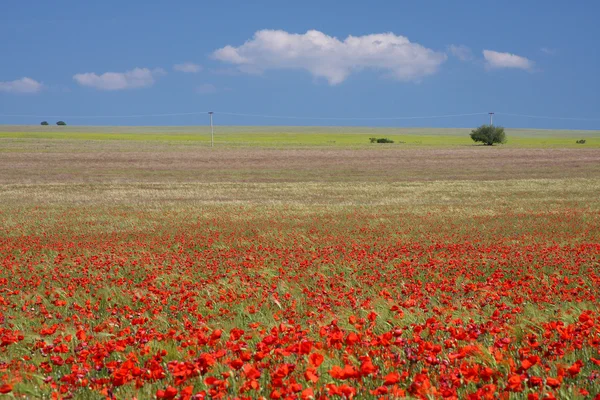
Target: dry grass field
79	161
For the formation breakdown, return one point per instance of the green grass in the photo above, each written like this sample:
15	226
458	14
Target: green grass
302	136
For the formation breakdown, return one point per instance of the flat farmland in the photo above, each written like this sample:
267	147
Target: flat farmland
298	263
300	136
287	154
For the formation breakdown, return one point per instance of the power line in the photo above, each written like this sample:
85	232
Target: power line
238	115
548	117
102	116
235	114
348	118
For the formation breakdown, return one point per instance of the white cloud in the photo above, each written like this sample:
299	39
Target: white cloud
462	52
496	59
549	51
330	58
206	88
187	67
23	85
135	78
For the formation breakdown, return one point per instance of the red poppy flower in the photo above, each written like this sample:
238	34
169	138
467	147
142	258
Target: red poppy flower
553	382
6	388
391	379
316	359
169	393
515	383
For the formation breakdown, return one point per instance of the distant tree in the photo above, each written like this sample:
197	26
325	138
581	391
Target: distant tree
489	135
380	140
61	123
44	123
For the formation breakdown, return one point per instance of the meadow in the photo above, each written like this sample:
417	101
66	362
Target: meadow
298	263
277	136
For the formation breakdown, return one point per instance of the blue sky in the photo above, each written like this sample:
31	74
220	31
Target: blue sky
306	59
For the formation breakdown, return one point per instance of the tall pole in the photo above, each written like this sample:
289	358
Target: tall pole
491	118
212	133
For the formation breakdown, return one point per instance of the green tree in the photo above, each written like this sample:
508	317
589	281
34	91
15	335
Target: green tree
61	123
489	135
44	123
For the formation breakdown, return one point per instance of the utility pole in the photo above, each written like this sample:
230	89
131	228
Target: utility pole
491	119
212	133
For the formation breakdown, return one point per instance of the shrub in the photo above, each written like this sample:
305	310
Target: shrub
582	141
380	140
61	123
44	123
489	135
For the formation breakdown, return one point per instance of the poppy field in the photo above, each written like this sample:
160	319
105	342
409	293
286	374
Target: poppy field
470	289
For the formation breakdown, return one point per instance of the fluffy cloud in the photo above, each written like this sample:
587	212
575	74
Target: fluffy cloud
23	85
496	59
187	67
462	52
330	58
136	78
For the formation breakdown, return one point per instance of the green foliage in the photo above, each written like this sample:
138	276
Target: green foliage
44	123
489	135
581	141
380	140
61	123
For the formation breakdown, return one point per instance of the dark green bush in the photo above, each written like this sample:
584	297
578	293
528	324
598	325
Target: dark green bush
489	135
61	123
380	140
44	123
582	141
